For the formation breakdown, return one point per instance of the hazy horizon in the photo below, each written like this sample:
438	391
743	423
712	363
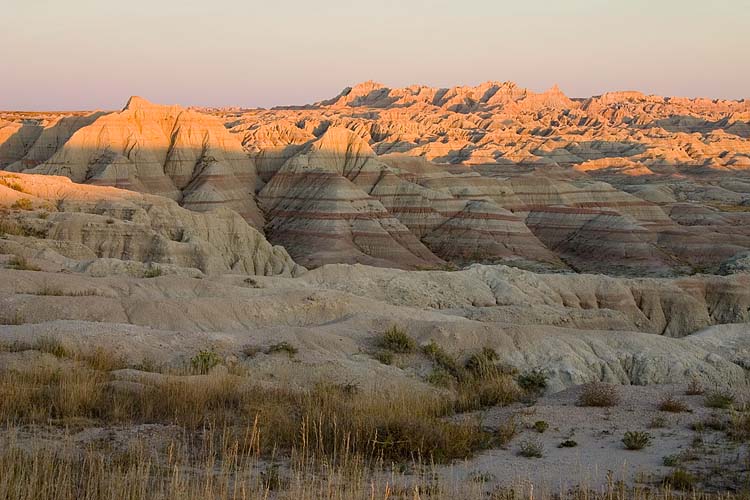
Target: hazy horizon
82	54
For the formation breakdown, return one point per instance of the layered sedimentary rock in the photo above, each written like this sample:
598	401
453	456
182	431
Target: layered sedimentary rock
336	201
81	225
602	176
164	150
413	177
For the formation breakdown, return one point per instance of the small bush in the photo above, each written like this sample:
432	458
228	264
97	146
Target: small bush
636	440
204	361
492	390
440	377
152	272
285	347
441	358
481	363
673	405
533	381
385	357
397	340
22	204
694	388
658	422
531	448
719	398
540	426
568	443
599	394
11	184
671	460
680	479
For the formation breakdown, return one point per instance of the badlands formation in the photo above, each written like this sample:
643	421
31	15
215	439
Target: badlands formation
604	239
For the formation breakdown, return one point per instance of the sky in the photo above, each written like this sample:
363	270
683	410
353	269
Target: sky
94	54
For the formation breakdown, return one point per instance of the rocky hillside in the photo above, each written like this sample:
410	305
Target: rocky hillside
48	222
420	177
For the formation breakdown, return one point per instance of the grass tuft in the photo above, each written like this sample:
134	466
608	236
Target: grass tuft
397	340
673	405
719	398
599	394
636	440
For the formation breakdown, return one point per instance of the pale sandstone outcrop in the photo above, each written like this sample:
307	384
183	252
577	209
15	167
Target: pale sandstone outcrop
86	222
170	318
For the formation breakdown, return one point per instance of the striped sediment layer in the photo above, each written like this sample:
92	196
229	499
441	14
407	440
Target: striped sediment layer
164	150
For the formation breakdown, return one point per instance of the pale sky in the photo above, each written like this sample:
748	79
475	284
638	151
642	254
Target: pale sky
93	54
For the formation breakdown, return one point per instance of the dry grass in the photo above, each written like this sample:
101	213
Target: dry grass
333	441
7	182
20	263
393	425
673	405
22	204
13	228
492	388
695	387
219	466
599	394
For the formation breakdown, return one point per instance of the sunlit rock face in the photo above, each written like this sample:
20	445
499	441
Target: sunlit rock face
420	177
623	182
164	150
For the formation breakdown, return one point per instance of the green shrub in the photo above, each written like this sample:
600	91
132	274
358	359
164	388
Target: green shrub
533	381
204	361
442	359
568	443
152	272
440	377
397	340
385	357
636	440
540	426
531	448
719	398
